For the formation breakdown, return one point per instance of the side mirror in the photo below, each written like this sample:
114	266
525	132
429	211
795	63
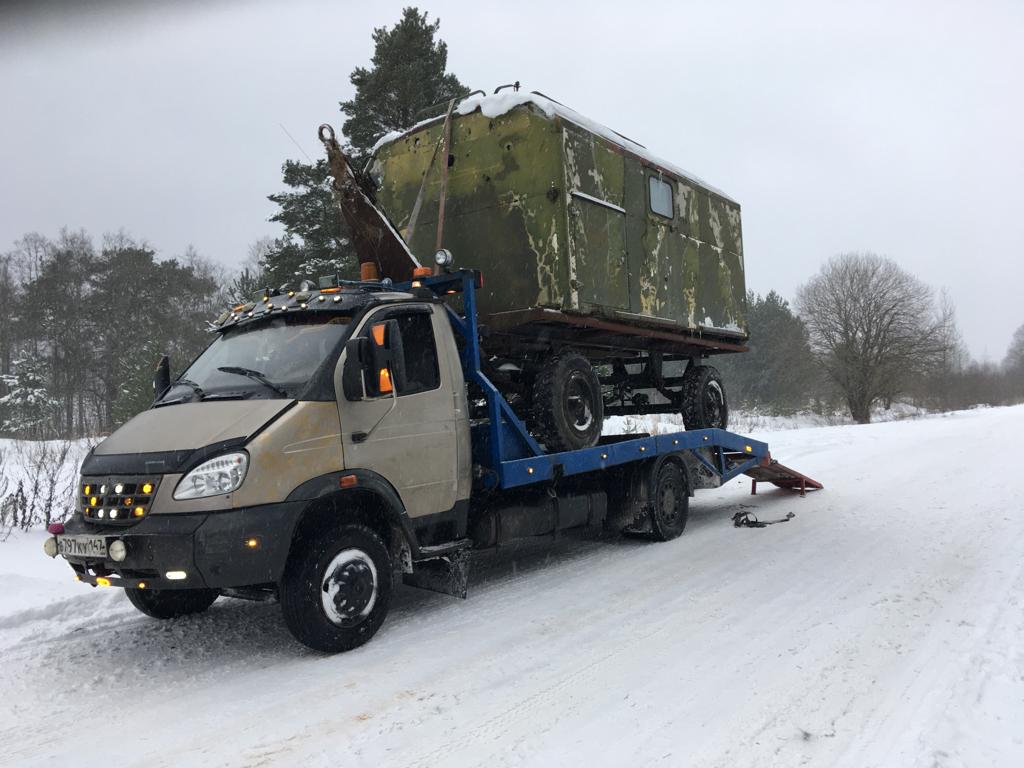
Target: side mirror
374	363
352	373
162	376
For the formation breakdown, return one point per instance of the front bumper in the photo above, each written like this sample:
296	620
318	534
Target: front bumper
216	550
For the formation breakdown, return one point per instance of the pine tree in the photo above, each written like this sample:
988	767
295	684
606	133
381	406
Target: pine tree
314	242
407	76
28	406
778	374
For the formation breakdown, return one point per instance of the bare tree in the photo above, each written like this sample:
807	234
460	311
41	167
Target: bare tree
874	328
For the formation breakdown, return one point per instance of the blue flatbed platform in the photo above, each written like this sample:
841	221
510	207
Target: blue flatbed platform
503	446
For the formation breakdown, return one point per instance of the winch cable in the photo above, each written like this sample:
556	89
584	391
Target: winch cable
411	226
744	519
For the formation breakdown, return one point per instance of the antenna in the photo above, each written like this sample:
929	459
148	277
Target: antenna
295	142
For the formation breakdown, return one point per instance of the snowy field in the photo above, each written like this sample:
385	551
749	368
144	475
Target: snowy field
881	626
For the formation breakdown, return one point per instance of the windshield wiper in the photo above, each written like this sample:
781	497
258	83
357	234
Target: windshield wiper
255	376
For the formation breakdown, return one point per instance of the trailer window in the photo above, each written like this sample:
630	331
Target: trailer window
421	371
661	196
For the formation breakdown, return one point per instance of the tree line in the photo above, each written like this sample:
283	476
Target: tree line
84	325
864	333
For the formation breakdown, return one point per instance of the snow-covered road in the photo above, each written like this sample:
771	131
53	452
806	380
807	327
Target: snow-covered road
881	626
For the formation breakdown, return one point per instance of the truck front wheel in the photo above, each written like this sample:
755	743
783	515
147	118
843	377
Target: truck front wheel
171	603
337	588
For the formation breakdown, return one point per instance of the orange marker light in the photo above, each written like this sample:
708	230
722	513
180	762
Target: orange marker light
92	501
348	481
385	380
138	512
252	543
102	581
88	490
147	487
378	334
142	585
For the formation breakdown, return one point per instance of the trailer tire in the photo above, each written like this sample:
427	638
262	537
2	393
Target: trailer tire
171	603
336	588
703	398
670	501
567	409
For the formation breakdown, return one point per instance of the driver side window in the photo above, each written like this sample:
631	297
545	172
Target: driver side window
420	353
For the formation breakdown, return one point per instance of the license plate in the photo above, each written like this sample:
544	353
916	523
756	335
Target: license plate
82	546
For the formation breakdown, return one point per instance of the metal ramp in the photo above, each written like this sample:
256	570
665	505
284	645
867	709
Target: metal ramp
781	476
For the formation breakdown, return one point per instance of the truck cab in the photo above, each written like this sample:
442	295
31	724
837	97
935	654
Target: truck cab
308	407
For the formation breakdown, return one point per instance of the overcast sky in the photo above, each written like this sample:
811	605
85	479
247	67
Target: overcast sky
891	127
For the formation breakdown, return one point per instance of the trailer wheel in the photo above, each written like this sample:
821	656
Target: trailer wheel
171	603
567	410
336	589
670	501
704	403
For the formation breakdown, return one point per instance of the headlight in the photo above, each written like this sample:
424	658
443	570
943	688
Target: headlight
223	474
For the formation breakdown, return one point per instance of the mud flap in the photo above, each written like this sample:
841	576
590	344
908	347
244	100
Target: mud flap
448	574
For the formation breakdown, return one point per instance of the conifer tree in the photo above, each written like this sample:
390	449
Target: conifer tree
407	75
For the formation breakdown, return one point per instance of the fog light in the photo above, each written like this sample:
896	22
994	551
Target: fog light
113	514
50	546
117	551
175	575
118	488
444	258
101	513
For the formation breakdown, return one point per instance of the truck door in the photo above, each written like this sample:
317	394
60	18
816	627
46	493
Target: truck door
409	439
597	220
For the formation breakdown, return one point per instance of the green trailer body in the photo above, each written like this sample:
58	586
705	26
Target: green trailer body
573	226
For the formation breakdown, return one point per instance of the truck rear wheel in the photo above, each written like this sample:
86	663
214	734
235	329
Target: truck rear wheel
171	603
336	589
670	501
704	404
567	410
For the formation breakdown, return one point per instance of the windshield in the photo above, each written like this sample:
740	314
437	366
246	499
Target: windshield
269	359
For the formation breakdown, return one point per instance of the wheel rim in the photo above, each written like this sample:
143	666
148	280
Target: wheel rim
668	504
348	590
579	403
714	403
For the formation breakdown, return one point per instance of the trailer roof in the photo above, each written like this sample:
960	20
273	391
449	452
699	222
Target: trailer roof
501	103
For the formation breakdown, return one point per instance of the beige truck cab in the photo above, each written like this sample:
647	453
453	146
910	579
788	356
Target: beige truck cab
318	447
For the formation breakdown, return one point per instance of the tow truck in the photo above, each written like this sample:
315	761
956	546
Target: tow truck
332	441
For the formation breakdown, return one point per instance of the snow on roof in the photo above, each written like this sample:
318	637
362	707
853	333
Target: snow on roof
500	103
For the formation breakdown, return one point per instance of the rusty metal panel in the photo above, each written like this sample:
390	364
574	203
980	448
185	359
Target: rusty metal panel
505	210
557	216
594	178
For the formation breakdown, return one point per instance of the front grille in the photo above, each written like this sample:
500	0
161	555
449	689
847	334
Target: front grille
116	500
